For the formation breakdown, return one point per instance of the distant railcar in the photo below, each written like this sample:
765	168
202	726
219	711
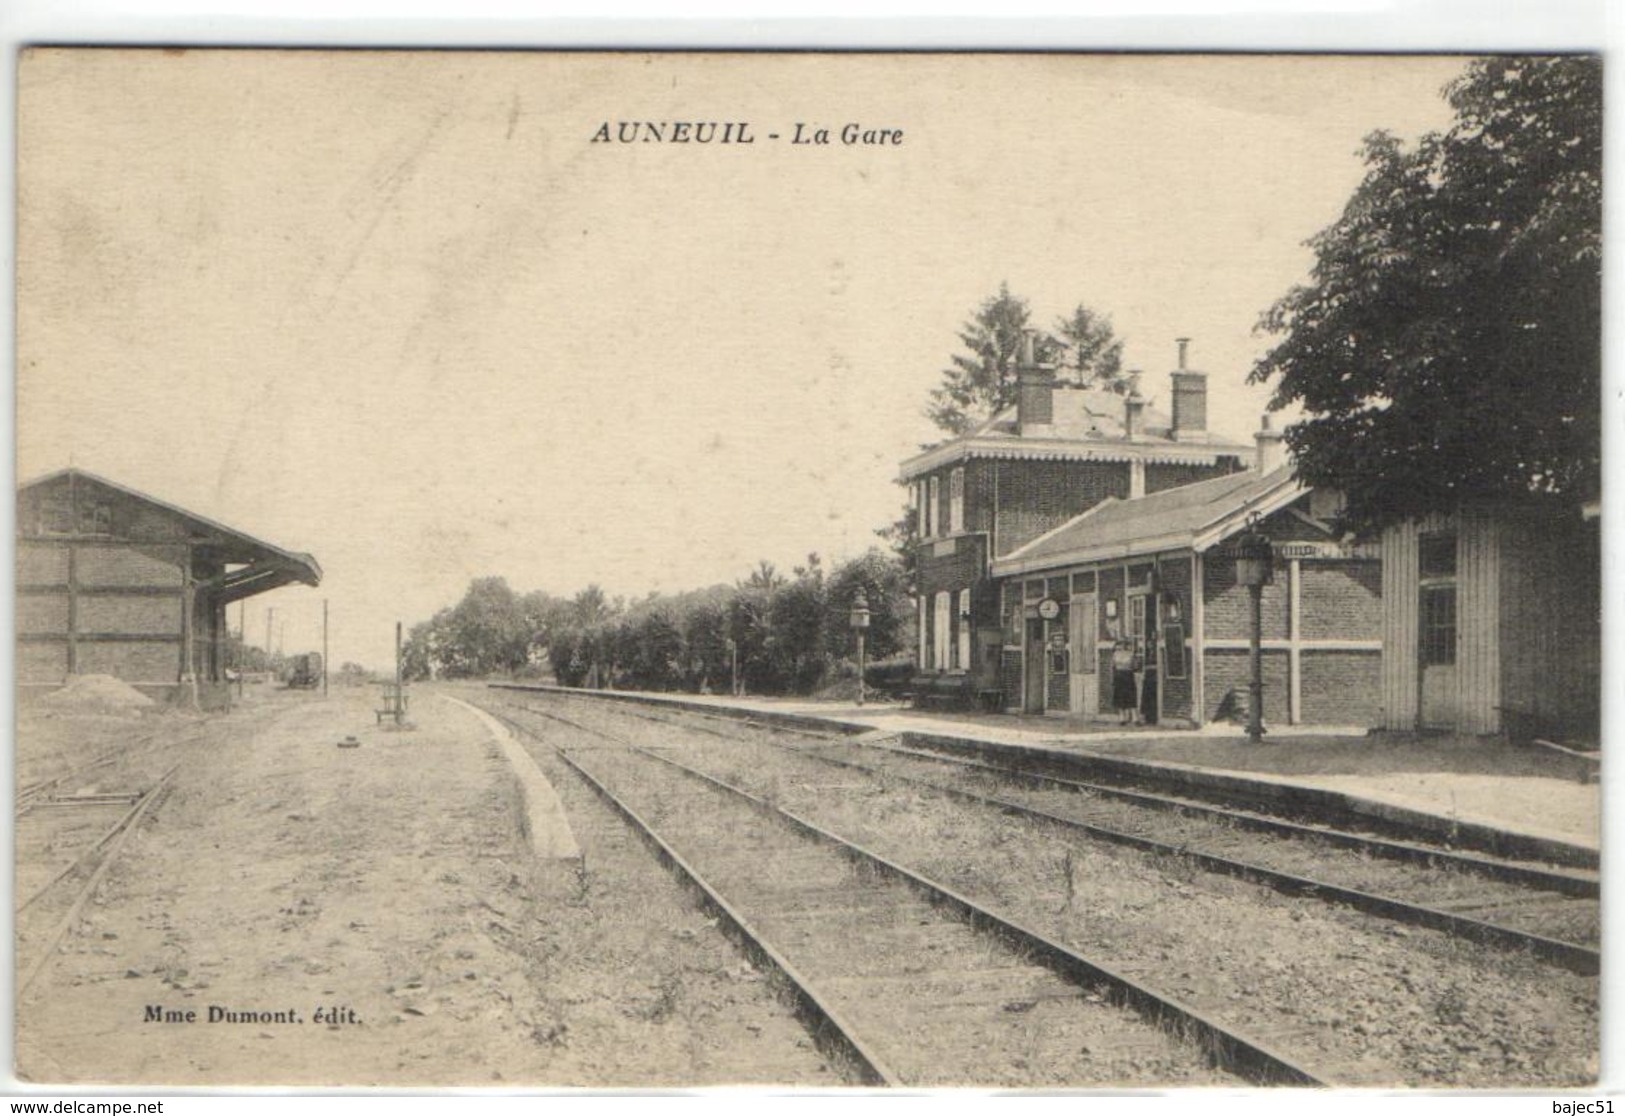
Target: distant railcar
306	673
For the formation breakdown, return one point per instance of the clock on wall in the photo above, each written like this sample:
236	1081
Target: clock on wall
1049	608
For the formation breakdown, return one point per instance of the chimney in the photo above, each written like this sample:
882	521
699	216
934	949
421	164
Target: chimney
1271	447
1190	399
1035	391
1133	412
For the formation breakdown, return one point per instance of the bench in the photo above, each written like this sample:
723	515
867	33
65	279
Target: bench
952	691
395	701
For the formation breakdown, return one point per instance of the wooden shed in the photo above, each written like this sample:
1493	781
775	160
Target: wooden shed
113	581
1492	622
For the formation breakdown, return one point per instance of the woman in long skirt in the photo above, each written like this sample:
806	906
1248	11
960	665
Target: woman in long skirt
1123	689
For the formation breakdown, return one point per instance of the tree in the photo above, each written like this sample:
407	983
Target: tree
891	612
1093	356
1448	347
978	383
981	382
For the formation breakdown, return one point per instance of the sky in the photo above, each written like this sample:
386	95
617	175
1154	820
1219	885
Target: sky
399	310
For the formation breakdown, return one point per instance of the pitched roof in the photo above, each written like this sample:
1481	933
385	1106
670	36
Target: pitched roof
1195	516
1086	425
266	566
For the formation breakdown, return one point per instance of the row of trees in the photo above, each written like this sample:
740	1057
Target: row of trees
767	633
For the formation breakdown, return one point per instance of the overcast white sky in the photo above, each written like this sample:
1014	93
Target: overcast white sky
398	311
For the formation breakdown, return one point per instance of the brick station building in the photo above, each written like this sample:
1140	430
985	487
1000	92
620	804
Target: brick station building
1158	572
113	581
1061	450
1078	517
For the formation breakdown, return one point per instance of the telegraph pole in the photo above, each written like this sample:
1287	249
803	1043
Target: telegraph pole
324	646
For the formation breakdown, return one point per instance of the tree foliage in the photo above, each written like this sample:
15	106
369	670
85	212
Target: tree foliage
981	381
1091	353
1447	348
787	634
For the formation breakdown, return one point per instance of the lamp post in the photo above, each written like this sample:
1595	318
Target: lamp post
1255	569
860	625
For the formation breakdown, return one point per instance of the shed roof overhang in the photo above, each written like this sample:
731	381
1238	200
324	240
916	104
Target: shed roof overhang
256	566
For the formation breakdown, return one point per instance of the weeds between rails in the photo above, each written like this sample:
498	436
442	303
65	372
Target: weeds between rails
1235	1052
1575	956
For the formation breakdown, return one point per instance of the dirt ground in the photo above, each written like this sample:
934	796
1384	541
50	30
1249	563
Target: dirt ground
369	916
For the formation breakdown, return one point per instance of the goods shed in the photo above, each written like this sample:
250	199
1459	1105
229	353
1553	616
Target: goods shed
113	581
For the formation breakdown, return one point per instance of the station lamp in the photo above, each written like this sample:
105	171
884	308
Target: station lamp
860	625
1255	568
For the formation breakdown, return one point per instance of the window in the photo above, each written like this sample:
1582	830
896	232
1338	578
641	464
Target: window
942	623
963	661
1436	554
956	501
1436	567
919	508
931	507
1438	635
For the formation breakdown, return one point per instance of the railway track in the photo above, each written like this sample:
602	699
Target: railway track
909	979
980	840
1554	914
67	853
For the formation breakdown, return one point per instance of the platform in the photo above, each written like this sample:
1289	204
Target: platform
1437	783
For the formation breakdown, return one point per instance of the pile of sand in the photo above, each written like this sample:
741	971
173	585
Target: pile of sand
97	693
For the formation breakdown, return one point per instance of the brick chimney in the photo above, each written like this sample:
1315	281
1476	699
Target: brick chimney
1035	391
1271	447
1190	399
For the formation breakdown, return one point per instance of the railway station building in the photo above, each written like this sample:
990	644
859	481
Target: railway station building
981	497
1080	517
1157	574
113	581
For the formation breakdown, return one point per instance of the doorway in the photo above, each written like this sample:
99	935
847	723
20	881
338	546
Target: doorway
1036	682
1436	630
1083	625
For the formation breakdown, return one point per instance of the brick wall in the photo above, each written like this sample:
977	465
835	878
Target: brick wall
1230	670
981	483
42	613
42	662
127	565
1010	678
1228	606
1159	476
1341	688
41	565
957	569
132	662
130	615
1038	496
1341	599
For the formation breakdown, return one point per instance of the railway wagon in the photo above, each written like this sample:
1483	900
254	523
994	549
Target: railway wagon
305	673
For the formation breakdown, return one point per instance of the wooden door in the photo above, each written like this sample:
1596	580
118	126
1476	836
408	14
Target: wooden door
1085	670
1035	661
1437	651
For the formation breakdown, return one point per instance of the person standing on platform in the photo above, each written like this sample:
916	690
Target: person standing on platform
1124	692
